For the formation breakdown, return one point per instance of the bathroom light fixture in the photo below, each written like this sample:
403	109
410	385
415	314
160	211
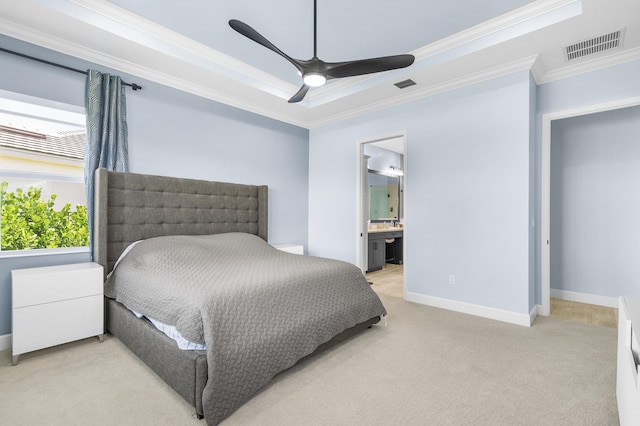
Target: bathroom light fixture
396	171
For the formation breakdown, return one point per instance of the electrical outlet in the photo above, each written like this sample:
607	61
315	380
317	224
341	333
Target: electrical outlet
452	279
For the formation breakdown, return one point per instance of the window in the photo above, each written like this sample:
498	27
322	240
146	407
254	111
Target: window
41	174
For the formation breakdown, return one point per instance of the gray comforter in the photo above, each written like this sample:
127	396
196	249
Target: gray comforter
258	309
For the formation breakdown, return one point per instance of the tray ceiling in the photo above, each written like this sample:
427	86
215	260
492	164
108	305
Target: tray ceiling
190	46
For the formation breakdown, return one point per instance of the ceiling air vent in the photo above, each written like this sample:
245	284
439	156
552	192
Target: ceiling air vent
404	83
593	46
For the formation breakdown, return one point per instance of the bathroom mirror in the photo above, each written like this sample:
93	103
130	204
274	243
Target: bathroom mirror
385	196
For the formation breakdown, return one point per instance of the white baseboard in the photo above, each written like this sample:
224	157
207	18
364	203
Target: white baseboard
592	299
533	314
467	308
5	342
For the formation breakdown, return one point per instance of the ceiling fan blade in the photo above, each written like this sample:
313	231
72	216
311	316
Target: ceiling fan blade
249	32
299	95
368	66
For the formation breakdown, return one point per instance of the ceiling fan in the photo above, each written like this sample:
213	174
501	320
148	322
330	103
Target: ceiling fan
315	72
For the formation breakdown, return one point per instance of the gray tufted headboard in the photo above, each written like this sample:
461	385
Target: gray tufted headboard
130	207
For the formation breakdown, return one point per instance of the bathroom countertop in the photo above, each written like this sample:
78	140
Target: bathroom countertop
389	229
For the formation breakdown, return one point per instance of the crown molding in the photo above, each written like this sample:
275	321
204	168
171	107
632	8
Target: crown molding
214	95
537	70
48	41
177	50
174	44
610	60
506	22
510	25
126	18
456	83
160	38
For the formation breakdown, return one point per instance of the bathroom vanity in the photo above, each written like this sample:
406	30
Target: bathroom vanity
385	246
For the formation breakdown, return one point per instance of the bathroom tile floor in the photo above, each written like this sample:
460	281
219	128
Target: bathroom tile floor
389	280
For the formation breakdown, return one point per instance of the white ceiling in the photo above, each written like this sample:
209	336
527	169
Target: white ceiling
190	46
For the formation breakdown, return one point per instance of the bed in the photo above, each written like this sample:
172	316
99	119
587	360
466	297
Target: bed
256	309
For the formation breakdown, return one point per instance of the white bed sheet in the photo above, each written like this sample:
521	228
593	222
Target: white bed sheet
169	330
174	334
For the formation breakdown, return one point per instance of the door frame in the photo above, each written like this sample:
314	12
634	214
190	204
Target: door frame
545	226
361	231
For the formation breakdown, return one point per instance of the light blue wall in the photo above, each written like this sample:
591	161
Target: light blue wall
593	88
595	203
176	134
608	84
467	191
468	175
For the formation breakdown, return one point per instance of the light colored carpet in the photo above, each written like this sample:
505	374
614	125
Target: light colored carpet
427	367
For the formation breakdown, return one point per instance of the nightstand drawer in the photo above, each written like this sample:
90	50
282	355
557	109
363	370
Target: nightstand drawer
35	286
50	324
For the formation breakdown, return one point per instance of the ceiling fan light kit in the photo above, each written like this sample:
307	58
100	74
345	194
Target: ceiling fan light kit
314	79
315	72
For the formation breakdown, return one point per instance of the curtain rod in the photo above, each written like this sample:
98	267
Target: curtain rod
132	85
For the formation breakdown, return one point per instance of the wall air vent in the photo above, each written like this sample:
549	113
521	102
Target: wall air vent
404	83
593	46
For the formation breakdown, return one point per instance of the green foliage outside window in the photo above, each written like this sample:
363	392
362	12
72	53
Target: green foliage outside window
29	222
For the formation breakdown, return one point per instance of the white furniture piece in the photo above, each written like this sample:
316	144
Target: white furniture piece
628	378
56	304
290	248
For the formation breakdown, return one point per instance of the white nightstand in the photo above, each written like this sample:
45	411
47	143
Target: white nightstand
290	248
56	304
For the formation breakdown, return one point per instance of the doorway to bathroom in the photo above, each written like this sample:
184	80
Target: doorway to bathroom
381	218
